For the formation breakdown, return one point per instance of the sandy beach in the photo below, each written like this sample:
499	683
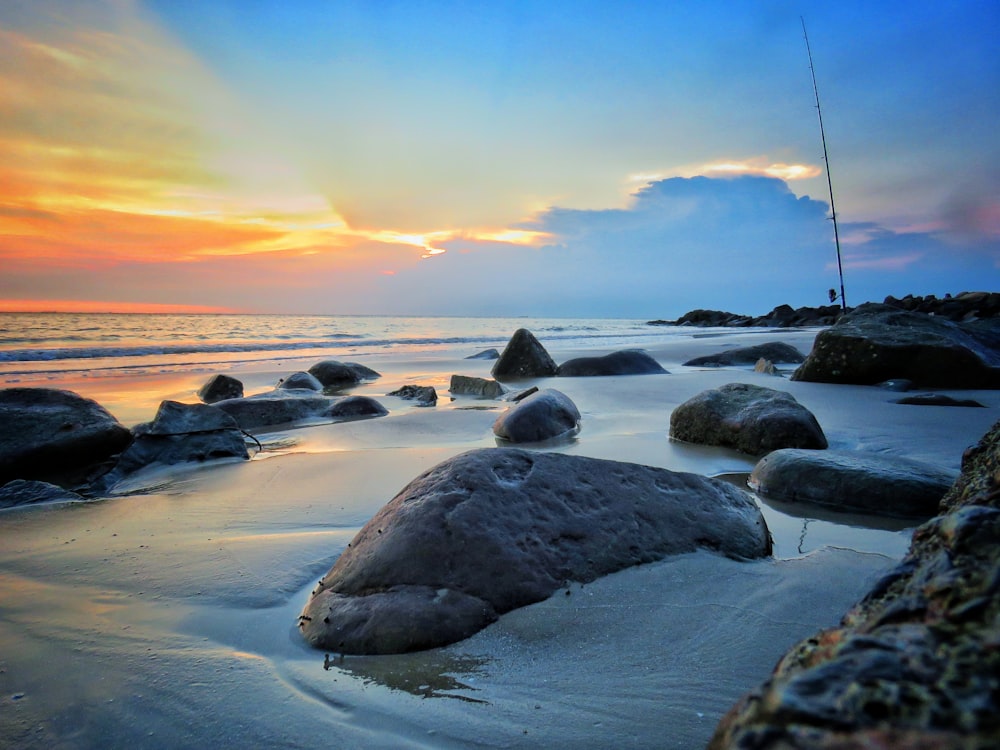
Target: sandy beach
165	616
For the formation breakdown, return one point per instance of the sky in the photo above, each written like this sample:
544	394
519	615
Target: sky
573	159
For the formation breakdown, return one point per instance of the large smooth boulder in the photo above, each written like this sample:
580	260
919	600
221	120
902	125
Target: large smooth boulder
625	362
278	407
914	664
495	529
853	481
335	374
471	386
55	436
749	418
219	388
774	351
544	415
877	343
523	357
22	492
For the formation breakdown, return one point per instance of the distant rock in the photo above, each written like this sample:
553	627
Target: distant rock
23	492
626	362
524	357
335	374
899	385
301	381
485	354
914	664
544	415
853	481
495	529
423	395
783	316
480	387
55	436
219	388
937	399
356	407
749	418
877	343
774	351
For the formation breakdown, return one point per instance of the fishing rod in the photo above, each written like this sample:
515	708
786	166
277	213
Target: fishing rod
829	180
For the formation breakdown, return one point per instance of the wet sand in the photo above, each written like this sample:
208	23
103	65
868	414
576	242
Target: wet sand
165	617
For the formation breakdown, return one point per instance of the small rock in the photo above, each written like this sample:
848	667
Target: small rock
524	357
356	407
302	381
424	395
219	388
937	399
485	354
471	386
544	415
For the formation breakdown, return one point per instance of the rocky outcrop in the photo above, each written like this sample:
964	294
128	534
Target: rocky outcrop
55	436
853	481
962	307
774	351
495	529
626	362
466	385
219	388
544	415
335	374
749	418
523	357
914	665
877	343
179	433
22	492
302	381
783	316
423	395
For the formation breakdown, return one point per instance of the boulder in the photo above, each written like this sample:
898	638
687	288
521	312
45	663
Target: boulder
179	433
914	664
424	395
56	436
543	415
877	343
766	367
749	418
471	386
219	388
937	399
626	362
303	381
495	529
523	357
278	407
356	407
334	374
774	351
485	354
20	492
854	481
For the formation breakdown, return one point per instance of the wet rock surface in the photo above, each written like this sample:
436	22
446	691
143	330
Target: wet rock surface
774	351
423	395
523	357
625	362
916	663
219	388
543	415
21	492
356	407
749	418
467	385
852	481
336	374
301	381
276	407
495	529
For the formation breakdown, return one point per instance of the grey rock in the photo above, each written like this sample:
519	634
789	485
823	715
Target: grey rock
301	381
899	385
523	357
56	436
485	354
876	343
219	388
774	351
20	492
424	395
470	386
279	407
749	418
356	407
626	362
495	529
853	481
543	415
937	399
335	374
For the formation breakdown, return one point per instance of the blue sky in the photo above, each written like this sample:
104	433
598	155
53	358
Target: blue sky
633	159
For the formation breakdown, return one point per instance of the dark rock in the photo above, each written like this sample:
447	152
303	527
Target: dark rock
523	357
853	481
219	388
279	407
301	381
544	415
628	362
21	492
56	436
334	374
914	664
876	343
470	386
356	407
485	354
749	418
495	529
899	385
775	351
424	395
937	399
